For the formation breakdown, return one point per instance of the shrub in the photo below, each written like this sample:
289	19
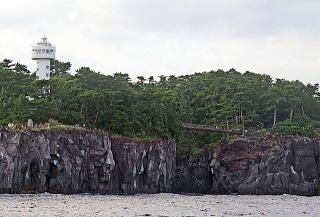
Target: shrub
300	126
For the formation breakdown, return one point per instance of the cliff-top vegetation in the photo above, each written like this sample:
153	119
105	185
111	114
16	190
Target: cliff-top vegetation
158	107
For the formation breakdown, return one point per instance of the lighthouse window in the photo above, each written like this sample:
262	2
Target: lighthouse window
47	74
47	67
43	50
51	51
47	51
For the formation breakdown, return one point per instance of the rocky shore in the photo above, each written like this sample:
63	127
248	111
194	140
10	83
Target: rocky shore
267	165
83	161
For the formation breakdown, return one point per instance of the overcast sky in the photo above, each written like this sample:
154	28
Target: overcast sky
163	37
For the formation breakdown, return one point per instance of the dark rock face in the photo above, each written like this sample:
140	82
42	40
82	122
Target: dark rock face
144	168
273	165
87	161
83	161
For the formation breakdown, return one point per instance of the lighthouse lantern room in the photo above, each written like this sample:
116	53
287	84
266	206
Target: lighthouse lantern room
43	52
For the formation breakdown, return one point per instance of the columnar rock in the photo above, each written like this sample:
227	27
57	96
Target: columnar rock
272	165
144	167
83	161
80	161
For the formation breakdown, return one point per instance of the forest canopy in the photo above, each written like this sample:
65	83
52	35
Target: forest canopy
158	107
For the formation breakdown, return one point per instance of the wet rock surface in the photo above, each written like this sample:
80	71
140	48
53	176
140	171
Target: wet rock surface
83	161
272	165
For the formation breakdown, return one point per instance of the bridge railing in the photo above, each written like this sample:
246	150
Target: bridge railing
211	128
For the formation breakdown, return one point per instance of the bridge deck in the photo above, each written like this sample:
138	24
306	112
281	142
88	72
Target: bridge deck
209	128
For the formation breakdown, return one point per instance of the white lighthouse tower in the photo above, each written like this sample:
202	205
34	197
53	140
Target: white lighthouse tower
43	52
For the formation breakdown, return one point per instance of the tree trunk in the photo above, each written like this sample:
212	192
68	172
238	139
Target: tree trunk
82	107
302	109
236	118
242	121
227	123
291	114
95	120
274	117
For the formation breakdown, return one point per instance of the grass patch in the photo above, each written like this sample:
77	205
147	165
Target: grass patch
135	137
53	125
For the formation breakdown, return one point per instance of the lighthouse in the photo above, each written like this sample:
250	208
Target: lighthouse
43	52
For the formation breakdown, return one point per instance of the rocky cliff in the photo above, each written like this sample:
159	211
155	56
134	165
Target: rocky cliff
78	161
83	161
272	165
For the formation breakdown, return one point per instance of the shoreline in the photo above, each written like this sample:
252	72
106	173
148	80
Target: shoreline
162	204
